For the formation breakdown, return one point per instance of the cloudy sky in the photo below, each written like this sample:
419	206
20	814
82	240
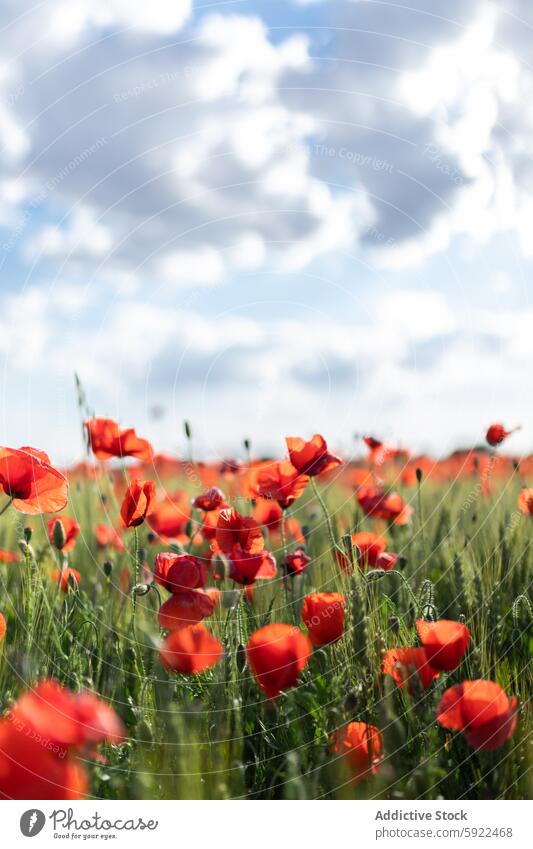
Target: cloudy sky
266	217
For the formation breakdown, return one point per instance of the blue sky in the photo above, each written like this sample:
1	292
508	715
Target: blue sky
268	218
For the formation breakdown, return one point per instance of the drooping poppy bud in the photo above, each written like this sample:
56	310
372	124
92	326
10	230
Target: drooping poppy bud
277	654
323	616
445	642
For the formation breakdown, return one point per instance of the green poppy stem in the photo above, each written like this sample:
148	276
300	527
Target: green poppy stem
326	514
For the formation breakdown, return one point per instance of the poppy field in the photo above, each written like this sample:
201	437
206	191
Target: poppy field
308	626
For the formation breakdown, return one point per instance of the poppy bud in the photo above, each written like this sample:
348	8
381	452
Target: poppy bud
187	429
247	444
27	533
418	474
150	536
107	567
59	536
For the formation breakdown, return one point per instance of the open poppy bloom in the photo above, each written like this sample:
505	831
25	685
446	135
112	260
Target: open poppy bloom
169	517
8	557
108	440
311	458
209	500
35	486
361	747
445	642
177	572
525	500
297	561
281	482
191	650
323	616
481	710
409	666
186	607
496	434
40	737
382	505
138	502
236	530
69	532
3	626
246	568
106	536
65	578
277	654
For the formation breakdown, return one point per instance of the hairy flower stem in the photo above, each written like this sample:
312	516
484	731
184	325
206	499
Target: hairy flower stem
136	580
283	533
6	506
326	515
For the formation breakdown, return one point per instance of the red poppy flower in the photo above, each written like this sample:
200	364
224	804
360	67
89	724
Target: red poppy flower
525	500
297	562
69	719
35	486
234	529
29	769
277	654
169	518
70	533
191	650
445	642
408	666
381	505
64	577
361	746
138	502
108	440
8	557
281	482
323	616
387	561
3	626
496	434
481	710
177	572
106	536
186	607
311	458
209	500
246	568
